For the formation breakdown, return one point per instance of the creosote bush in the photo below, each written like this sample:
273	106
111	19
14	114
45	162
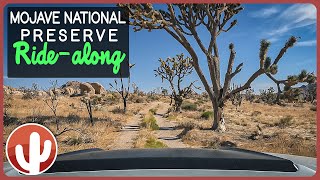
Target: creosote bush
73	118
153	143
207	115
149	122
188	106
153	110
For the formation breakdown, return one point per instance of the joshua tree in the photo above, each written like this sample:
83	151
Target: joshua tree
164	91
249	95
181	21
52	102
174	70
122	90
88	103
268	96
236	98
135	88
303	77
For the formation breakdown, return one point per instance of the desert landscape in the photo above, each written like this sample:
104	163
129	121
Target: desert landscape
188	87
150	122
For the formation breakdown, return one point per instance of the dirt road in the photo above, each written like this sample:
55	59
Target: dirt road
167	132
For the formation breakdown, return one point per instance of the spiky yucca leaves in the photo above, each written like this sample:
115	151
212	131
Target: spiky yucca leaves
267	63
264	47
292	40
303	77
273	69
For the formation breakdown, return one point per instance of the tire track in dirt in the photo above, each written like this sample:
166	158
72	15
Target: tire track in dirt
129	132
167	132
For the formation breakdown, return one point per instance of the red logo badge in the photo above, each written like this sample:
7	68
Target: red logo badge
31	149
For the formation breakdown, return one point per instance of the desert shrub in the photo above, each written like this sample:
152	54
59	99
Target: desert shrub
150	122
97	100
28	95
284	122
73	141
212	144
313	108
152	98
188	106
207	115
117	110
140	100
153	110
256	113
187	125
199	102
153	143
172	117
8	120
112	98
73	118
298	105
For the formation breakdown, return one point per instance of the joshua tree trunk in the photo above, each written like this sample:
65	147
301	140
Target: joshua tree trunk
177	104
90	113
218	119
124	105
278	94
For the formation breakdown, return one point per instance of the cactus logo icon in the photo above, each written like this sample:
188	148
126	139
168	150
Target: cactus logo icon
31	149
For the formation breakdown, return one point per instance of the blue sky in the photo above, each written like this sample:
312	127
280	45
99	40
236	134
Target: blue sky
275	22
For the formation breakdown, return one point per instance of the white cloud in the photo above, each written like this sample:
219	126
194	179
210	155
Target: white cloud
299	13
264	13
273	39
296	16
307	43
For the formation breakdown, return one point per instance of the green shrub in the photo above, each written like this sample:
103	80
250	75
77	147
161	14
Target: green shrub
153	143
153	110
150	122
207	115
189	106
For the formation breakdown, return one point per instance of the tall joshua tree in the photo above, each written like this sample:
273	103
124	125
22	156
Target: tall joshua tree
174	70
303	77
181	22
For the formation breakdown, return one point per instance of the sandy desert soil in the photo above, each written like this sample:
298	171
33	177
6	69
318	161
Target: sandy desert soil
290	129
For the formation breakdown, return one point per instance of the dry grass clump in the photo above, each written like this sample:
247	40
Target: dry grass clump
149	122
284	122
153	110
207	139
283	143
313	108
146	139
